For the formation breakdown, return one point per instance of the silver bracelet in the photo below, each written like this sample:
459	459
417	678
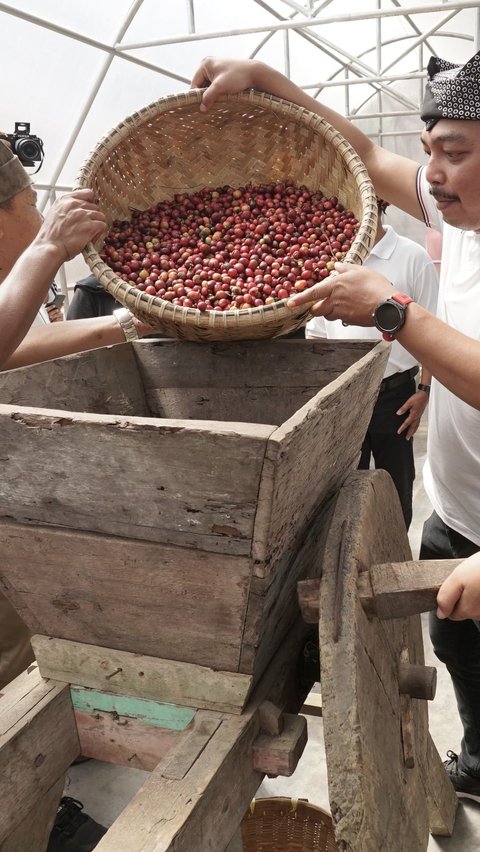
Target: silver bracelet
125	320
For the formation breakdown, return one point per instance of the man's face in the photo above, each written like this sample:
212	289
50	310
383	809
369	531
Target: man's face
453	171
19	224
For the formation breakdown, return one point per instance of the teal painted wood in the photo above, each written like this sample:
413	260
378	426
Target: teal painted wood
144	710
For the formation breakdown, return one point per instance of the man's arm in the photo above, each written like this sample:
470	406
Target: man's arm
452	357
352	296
393	176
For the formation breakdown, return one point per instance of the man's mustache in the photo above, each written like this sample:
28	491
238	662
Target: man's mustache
441	196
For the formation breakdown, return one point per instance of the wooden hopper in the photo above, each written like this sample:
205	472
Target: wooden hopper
155	500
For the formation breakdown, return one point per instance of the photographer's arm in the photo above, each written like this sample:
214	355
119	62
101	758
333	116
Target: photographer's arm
22	293
44	342
70	224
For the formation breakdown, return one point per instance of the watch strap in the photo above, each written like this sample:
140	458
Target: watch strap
402	299
125	320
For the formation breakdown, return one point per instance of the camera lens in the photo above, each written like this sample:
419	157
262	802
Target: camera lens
28	150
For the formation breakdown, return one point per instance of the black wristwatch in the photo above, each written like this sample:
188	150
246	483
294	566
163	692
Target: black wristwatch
389	316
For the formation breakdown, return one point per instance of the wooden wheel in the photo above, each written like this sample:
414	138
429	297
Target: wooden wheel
386	781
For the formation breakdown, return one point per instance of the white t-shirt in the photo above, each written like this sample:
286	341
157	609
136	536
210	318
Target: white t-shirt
410	269
452	471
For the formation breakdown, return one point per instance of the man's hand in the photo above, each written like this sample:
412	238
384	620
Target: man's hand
459	595
72	221
54	314
351	296
415	405
222	77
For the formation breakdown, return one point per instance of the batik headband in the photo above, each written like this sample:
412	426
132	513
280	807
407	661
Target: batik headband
452	91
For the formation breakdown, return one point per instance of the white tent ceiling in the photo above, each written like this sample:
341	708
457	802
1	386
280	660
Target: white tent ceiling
76	68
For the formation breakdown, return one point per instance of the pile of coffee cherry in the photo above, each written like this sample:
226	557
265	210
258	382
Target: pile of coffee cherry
230	248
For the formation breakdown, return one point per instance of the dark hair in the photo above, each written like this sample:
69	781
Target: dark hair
382	205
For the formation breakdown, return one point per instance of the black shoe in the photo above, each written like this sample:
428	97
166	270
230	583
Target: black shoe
466	786
73	830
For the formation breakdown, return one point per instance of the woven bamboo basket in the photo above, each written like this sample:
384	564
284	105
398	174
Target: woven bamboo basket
279	824
171	147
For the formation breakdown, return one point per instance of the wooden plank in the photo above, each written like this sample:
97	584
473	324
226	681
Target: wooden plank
123	740
284	363
200	811
273	605
192	485
236	843
38	741
263	381
394	590
204	726
313	705
33	832
377	802
441	797
103	381
125	594
147	712
137	675
325	436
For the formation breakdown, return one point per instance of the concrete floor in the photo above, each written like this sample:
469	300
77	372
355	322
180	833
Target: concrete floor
106	789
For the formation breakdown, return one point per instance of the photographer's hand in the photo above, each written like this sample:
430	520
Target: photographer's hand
72	221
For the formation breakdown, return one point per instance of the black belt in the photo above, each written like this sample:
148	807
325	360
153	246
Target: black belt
398	379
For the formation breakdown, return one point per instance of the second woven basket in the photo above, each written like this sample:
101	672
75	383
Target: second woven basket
278	824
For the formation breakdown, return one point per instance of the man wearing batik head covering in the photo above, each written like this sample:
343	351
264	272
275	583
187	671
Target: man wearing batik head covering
444	193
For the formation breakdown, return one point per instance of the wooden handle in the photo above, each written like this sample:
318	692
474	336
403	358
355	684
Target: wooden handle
279	755
390	590
398	589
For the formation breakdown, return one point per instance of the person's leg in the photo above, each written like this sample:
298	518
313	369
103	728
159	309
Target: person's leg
392	452
457	643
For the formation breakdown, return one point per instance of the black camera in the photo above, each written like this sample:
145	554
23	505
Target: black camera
27	147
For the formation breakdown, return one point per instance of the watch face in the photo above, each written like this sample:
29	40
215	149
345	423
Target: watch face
389	317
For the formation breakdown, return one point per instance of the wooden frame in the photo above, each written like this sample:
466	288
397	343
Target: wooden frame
215	765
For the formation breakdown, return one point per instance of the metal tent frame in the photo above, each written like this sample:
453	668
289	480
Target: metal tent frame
373	84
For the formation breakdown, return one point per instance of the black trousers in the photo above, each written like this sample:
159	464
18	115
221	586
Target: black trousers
457	643
390	451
